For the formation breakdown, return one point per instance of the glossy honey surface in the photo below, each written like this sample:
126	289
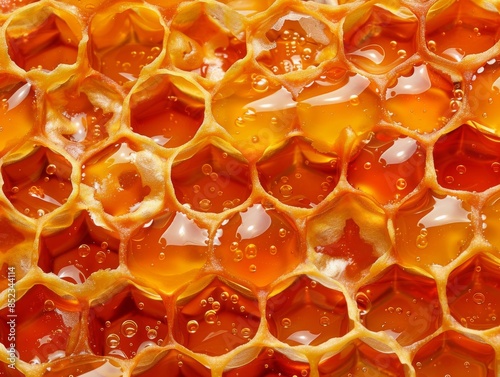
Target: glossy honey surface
227	188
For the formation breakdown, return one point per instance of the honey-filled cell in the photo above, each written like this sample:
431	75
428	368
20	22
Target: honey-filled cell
284	171
454	354
490	215
81	112
432	228
46	324
167	108
455	29
123	41
347	237
211	179
388	167
467	159
422	99
123	322
214	316
258	245
336	100
168	251
306	312
255	109
484	97
75	250
17	109
114	176
203	42
37	180
294	42
378	37
473	290
43	38
402	304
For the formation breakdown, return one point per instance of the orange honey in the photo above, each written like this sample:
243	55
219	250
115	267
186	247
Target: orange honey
249	188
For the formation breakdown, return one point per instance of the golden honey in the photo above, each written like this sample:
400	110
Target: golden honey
249	188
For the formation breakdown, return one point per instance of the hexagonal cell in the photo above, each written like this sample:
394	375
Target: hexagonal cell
484	97
17	111
36	180
122	323
43	38
473	292
454	354
211	179
348	237
123	40
292	42
432	228
303	311
490	214
350	251
256	110
84	365
46	325
258	245
422	99
167	108
336	100
357	358
168	251
466	159
77	249
206	39
388	167
116	176
83	109
214	317
283	171
270	362
176	363
378	37
402	304
455	29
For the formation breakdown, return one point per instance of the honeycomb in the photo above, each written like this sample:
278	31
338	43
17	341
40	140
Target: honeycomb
249	188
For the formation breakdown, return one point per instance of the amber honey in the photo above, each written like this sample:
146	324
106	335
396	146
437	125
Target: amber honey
249	188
